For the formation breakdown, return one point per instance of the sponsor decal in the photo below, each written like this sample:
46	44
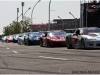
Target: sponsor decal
98	36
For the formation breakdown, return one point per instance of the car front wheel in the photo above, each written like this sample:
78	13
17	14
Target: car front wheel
82	44
69	46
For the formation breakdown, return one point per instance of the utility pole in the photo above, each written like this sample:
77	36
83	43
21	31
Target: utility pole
62	23
74	18
32	12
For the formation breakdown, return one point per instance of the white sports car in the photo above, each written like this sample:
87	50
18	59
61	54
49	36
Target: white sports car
88	37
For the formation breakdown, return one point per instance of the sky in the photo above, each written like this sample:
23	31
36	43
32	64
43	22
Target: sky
8	10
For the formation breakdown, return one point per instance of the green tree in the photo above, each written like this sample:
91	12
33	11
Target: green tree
26	24
6	30
17	27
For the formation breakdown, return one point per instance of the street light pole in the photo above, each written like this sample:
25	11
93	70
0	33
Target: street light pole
32	11
18	17
49	15
62	22
22	12
72	15
17	13
74	18
25	13
27	10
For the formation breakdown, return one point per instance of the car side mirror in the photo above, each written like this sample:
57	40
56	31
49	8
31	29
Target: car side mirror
43	36
19	35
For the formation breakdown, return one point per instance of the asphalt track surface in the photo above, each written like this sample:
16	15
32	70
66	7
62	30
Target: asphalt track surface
20	59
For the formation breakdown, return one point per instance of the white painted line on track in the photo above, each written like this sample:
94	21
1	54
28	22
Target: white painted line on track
8	48
14	51
3	46
52	58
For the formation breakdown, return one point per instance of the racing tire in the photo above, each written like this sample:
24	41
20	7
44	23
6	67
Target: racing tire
27	43
19	42
82	44
14	41
2	41
47	44
41	44
7	41
68	44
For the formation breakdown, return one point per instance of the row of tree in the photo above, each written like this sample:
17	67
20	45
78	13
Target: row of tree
18	27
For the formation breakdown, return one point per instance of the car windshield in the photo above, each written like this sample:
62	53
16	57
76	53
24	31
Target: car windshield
10	37
36	33
15	36
94	30
70	30
57	33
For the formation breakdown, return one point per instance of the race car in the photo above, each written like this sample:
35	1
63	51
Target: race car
87	37
53	38
4	38
15	38
9	39
33	38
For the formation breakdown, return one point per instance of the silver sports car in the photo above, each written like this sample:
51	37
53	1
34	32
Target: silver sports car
88	37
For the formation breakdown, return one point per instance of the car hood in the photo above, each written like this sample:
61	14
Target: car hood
92	36
35	36
58	37
15	38
10	38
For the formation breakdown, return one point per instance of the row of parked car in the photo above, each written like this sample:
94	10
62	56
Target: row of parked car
42	38
87	37
26	38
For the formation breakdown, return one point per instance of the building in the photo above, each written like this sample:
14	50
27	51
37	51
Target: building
39	27
67	23
58	24
90	14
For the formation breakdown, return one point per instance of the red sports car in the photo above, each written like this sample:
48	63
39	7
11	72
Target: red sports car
53	38
9	39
